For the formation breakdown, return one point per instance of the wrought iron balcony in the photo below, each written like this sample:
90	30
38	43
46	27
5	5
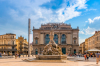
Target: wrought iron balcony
8	45
23	47
8	49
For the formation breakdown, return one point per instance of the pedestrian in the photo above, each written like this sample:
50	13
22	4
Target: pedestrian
19	55
15	55
87	55
91	54
0	54
75	54
4	53
97	57
66	53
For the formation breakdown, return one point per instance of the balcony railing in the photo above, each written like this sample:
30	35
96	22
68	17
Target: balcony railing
8	49
8	45
23	47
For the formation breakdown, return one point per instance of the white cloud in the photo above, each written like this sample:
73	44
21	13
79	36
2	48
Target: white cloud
31	9
91	21
86	21
91	9
38	15
81	40
81	32
20	33
89	30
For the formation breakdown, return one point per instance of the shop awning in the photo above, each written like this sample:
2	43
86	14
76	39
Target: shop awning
93	50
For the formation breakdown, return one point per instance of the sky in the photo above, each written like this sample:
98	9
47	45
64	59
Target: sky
14	15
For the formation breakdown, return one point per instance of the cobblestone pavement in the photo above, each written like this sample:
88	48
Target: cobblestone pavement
70	62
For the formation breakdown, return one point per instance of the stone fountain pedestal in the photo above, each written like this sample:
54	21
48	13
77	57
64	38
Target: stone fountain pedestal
51	57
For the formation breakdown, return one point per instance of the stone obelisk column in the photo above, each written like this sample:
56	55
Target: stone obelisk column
29	37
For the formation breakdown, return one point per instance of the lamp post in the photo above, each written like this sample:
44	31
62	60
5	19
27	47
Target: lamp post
70	49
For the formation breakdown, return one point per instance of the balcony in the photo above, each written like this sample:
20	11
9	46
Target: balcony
8	45
23	47
8	49
26	47
25	44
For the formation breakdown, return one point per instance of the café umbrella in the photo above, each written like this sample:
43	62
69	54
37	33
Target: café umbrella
93	50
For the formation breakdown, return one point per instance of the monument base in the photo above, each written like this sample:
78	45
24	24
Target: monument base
51	57
49	61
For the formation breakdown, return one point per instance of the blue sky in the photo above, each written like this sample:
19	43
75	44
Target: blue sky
14	15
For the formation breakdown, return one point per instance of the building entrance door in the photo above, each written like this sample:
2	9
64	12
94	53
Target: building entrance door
36	52
13	53
64	50
74	51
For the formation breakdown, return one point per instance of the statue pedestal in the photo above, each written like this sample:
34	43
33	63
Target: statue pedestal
51	57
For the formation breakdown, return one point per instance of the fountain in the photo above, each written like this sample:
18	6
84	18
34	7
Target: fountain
51	51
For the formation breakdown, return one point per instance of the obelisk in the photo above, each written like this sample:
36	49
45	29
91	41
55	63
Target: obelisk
29	37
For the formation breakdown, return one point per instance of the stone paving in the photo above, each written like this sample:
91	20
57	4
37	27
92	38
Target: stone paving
70	62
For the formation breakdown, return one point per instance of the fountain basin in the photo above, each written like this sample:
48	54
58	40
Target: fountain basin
51	57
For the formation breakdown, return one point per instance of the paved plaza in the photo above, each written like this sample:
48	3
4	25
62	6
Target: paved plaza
70	62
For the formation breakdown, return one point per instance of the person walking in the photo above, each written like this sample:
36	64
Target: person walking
91	54
0	54
97	57
87	55
15	55
19	55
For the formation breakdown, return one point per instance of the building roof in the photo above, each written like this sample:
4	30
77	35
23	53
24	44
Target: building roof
56	26
8	34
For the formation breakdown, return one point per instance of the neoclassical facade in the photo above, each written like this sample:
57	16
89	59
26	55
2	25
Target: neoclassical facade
8	43
66	37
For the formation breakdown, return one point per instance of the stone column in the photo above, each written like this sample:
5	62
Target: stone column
59	39
66	38
77	38
44	38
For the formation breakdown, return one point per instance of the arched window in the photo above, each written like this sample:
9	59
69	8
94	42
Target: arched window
63	39
56	38
36	51
47	39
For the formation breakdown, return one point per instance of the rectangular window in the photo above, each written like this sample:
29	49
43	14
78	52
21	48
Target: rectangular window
36	41
97	38
12	47
74	41
40	51
13	42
